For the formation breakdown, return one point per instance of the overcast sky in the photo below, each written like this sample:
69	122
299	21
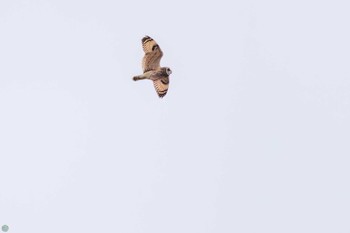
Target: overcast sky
253	135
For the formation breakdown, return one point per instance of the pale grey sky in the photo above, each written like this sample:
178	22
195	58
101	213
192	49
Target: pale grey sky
253	135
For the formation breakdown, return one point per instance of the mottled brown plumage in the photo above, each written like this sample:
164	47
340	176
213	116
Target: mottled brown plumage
151	66
153	54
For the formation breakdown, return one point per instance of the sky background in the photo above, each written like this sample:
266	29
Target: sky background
253	135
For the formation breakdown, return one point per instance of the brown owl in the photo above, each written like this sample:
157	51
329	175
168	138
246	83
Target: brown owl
151	67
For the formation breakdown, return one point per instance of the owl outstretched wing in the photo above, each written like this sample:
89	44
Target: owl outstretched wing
161	85
153	54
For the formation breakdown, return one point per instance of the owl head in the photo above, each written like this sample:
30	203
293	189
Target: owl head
166	70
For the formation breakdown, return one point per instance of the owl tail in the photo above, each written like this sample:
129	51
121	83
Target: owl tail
139	77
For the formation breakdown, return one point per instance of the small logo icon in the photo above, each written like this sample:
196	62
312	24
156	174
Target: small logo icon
4	228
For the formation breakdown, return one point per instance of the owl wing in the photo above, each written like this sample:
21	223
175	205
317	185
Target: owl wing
153	54
161	85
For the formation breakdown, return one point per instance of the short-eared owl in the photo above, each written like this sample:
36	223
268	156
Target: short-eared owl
151	66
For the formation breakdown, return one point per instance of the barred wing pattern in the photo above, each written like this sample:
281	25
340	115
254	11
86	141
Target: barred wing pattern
153	54
161	85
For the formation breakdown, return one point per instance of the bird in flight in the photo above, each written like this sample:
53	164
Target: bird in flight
151	67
